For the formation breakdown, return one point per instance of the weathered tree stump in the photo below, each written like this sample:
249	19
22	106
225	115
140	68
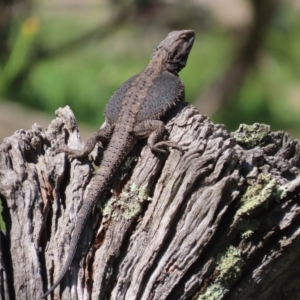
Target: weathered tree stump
218	220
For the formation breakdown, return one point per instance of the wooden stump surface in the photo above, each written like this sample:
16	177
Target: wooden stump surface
219	220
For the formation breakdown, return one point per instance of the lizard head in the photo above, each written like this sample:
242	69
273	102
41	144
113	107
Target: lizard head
174	50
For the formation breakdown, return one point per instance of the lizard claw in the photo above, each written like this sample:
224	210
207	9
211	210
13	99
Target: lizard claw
157	147
60	149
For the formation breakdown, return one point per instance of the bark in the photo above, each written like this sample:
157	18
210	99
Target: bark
219	220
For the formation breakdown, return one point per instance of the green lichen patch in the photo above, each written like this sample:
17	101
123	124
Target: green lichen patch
129	205
107	209
258	196
142	191
110	208
281	192
250	136
132	202
131	209
229	267
214	292
248	227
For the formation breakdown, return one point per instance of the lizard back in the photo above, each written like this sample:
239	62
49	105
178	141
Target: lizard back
165	91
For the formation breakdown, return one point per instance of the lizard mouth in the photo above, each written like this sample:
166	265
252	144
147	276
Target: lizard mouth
189	37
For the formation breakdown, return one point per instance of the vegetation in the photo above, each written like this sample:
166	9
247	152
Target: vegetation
58	59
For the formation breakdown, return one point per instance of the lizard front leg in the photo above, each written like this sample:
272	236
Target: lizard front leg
154	130
102	135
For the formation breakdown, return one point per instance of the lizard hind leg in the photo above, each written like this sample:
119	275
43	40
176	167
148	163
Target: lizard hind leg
155	131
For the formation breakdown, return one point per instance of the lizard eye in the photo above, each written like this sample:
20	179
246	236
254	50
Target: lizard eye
185	38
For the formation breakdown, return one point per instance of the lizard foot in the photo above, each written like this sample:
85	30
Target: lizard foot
157	147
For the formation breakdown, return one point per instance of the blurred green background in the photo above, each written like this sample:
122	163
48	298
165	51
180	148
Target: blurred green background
244	67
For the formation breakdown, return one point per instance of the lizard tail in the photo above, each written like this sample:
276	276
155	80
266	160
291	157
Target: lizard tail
84	212
96	187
